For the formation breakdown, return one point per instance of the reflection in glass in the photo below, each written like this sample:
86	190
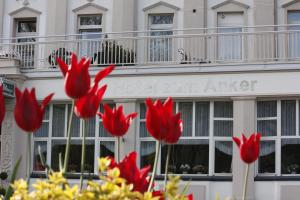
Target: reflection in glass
58	146
147	153
290	157
107	149
266	161
266	109
223	157
37	164
187	157
267	127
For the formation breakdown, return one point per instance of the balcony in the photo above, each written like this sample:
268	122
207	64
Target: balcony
213	46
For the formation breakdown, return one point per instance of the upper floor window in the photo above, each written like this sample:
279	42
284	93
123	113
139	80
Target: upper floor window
52	136
160	26
278	121
206	139
90	28
294	34
229	41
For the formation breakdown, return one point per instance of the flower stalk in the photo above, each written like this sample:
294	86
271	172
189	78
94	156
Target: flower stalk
167	167
118	149
28	159
84	124
246	182
67	151
158	144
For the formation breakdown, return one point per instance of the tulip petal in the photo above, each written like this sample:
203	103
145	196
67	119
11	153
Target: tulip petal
62	65
237	141
103	73
18	94
168	105
45	102
101	92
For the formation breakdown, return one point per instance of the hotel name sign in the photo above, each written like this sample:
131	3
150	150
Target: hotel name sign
8	87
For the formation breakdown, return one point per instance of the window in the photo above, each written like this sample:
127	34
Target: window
294	34
278	121
26	30
52	136
230	43
90	27
206	139
160	26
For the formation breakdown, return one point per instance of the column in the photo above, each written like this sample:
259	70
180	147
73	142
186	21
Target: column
1	17
128	142
244	122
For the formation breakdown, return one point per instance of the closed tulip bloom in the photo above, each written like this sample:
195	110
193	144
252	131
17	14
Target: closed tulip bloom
161	122
115	121
28	113
77	78
87	106
249	148
2	105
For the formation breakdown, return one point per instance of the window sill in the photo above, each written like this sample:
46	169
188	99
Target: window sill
278	178
158	177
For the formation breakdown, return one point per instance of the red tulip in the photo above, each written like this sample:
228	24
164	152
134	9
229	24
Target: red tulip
249	148
77	78
130	172
114	120
2	105
161	123
190	197
28	113
87	106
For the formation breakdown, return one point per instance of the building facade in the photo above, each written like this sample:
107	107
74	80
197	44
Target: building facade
232	66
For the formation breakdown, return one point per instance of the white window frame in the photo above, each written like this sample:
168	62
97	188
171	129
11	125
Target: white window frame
97	139
211	138
278	137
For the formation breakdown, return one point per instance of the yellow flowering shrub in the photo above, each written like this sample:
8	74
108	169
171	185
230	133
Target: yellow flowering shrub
110	187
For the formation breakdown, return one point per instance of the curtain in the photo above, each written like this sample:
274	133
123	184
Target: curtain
147	148
202	119
266	109
266	148
288	117
58	120
224	146
186	109
230	45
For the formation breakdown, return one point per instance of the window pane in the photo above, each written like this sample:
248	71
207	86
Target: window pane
288	117
91	20
223	157
37	164
202	119
91	127
46	115
266	161
75	129
161	19
143	130
58	146
147	153
43	131
267	127
102	131
160	47
223	109
27	26
180	163
290	157
223	128
107	148
142	111
58	121
293	37
266	109
186	110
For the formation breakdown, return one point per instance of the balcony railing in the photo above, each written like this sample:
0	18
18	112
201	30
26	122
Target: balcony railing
221	45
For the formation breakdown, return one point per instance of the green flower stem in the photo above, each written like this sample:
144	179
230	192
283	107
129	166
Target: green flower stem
118	149
28	159
84	124
167	167
67	151
245	182
158	143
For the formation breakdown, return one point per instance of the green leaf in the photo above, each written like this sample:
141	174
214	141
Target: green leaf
9	190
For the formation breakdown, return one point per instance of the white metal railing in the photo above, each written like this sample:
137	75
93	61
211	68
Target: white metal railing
189	46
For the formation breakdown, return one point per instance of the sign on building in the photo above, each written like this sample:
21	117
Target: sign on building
8	87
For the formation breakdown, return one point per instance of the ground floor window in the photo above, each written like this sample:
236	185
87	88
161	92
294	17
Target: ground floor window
51	139
278	121
205	146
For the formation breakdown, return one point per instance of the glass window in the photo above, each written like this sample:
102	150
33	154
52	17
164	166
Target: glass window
56	115
195	139
90	20
267	118
26	26
294	37
266	161
290	157
288	117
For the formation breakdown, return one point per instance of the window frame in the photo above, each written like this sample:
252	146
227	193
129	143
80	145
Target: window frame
278	138
49	139
211	138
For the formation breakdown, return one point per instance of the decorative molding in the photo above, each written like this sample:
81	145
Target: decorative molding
90	5
245	6
25	8
290	3
161	3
